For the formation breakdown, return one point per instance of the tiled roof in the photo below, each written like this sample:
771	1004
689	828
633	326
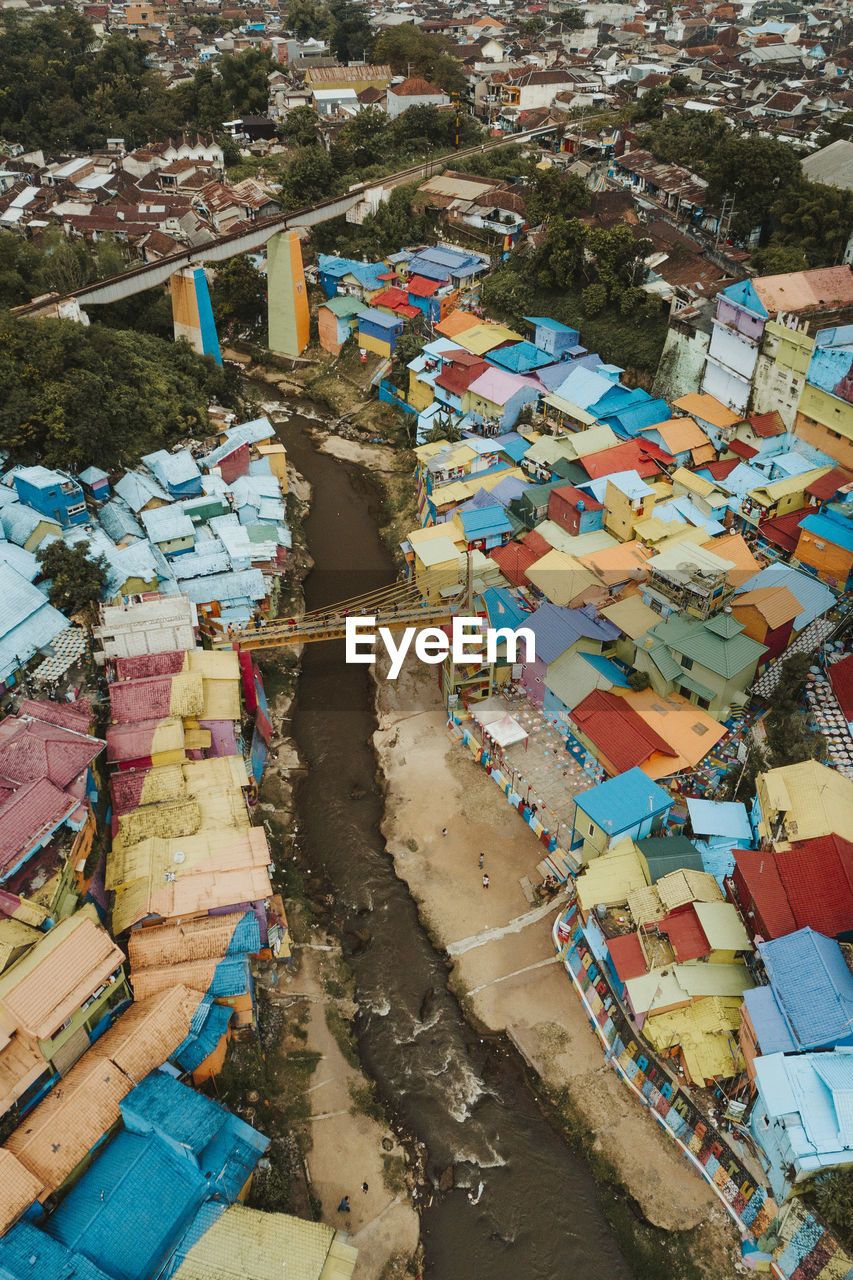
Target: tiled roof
28	815
817	876
59	974
156	697
621	735
149	664
20	1189
76	716
760	874
210	937
33	749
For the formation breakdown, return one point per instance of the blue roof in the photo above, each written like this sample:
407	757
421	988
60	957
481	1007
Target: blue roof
719	818
623	801
814	596
138	488
608	669
209	1024
583	387
504	608
385	321
366	273
42	477
813	987
253	432
27	621
513	445
772	1031
485	522
634	417
744	295
118	521
547	323
19	521
175	470
26	1253
231	977
556	629
131	1205
520	357
830	530
421	266
451	257
246	938
92	475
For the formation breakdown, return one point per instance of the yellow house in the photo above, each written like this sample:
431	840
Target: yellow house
803	802
277	458
781	496
437	564
826	421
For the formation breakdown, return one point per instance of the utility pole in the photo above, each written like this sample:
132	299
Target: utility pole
725	222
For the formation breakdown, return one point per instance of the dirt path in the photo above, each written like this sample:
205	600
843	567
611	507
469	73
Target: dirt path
504	963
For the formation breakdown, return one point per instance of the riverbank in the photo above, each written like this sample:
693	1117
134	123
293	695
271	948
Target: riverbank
323	1098
505	972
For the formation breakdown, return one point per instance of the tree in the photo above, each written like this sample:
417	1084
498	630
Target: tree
309	20
650	105
751	171
309	177
76	581
239	294
244	81
814	218
362	142
549	191
409	347
300	127
832	1195
352	35
775	259
410	52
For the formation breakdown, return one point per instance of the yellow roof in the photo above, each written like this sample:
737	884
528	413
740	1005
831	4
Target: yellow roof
645	905
680	983
581	544
616	564
816	800
485	337
631	616
766	494
708	408
460	490
707	1033
562	405
561	578
612	877
426	451
689	730
593	440
438	551
722	926
246	1244
14	935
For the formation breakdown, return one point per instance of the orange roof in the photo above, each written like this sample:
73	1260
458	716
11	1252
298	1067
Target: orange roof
777	605
732	546
615	564
51	982
73	1118
690	731
679	434
456	322
20	1189
195	974
708	408
21	1064
821	288
174	943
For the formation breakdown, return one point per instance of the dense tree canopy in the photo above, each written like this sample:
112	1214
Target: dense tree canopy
58	90
59	265
239	295
410	52
76	580
352	37
71	396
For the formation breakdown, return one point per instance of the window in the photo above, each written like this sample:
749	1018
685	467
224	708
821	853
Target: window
686	663
704	703
591	829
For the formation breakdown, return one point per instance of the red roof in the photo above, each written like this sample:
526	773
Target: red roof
404	309
685	934
76	716
816	875
826	487
767	424
514	559
720	470
841	679
757	877
615	728
627	956
743	450
146	699
783	531
28	816
150	664
31	749
571	496
457	377
416	88
644	458
390	298
126	790
422	288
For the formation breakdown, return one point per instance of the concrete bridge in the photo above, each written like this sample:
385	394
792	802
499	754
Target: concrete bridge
186	264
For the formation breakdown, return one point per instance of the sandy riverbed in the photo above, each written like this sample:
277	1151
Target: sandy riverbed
504	961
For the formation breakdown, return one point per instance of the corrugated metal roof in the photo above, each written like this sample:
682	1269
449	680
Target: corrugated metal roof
812	985
244	1244
26	1251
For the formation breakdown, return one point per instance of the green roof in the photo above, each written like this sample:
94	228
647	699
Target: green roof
726	655
664	854
663	660
342	306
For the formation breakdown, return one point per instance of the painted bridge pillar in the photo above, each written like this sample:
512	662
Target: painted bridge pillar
192	313
287	296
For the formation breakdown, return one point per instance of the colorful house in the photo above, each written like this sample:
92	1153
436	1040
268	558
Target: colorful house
574	511
825	545
767	615
336	320
52	494
627	805
560	632
378	331
712	662
496	398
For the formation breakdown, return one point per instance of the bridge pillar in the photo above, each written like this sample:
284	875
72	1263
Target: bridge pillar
192	314
287	296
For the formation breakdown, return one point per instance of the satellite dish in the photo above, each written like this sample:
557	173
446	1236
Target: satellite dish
179	856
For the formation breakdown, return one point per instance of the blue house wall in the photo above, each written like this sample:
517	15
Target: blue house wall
52	494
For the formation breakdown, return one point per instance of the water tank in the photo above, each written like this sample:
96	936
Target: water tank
581	505
600	910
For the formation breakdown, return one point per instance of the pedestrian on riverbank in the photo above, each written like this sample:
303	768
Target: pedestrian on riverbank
343	1207
444	831
482	860
485	882
365	1188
